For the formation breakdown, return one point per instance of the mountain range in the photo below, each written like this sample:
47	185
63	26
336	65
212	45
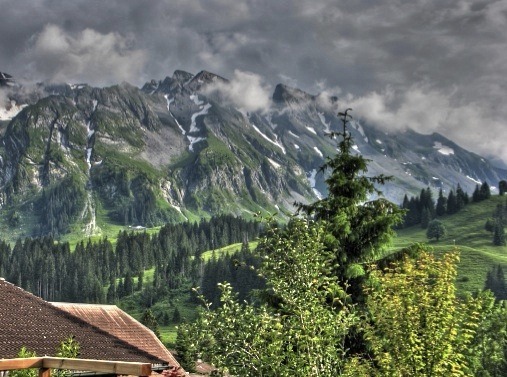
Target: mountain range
73	156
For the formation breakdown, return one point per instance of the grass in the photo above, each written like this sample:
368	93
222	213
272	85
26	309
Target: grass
230	249
466	233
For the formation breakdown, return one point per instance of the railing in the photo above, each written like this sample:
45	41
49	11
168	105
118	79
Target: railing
44	364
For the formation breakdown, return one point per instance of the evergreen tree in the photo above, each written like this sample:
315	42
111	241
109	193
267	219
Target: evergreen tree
499	214
413	214
128	284
499	234
359	228
452	205
112	294
461	198
425	218
495	282
140	280
441	208
490	225
176	318
149	320
476	196
426	201
485	192
502	187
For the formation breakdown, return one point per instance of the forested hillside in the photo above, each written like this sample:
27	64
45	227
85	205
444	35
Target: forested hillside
98	272
337	303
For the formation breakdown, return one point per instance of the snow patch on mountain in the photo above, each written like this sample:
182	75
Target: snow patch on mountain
195	98
327	125
296	146
356	148
169	101
312	130
318	152
194	140
360	129
293	134
204	111
474	180
88	156
268	139
445	150
275	164
312	180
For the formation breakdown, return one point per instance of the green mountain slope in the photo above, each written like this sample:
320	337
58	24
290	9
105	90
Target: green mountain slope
82	160
467	233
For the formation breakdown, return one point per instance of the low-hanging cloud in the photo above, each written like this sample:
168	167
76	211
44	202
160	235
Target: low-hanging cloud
444	62
86	56
427	110
246	91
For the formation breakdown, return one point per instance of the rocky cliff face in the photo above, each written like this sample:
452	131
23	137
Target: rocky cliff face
172	151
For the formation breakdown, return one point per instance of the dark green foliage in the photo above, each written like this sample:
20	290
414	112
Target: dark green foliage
436	229
176	318
49	269
441	208
426	202
129	195
13	218
495	282
481	192
421	210
239	269
485	191
358	227
413	213
59	206
128	284
149	320
425	217
502	187
452	203
186	348
490	225
499	234
462	198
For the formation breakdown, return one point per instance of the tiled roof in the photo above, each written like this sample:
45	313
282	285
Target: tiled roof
115	321
27	320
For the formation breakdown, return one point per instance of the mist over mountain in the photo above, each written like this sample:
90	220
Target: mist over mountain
192	145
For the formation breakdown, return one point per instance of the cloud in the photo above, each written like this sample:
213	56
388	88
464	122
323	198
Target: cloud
246	90
87	56
427	110
395	57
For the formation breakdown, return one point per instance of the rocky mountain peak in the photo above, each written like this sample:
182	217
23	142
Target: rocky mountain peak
204	78
285	94
182	76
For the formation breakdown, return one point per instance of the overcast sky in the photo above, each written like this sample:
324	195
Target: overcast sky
431	65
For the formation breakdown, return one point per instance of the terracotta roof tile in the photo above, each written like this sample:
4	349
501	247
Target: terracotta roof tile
27	320
115	321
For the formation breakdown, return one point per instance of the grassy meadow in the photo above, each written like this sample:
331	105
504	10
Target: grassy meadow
467	234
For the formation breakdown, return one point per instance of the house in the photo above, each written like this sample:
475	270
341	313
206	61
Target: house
115	321
29	321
